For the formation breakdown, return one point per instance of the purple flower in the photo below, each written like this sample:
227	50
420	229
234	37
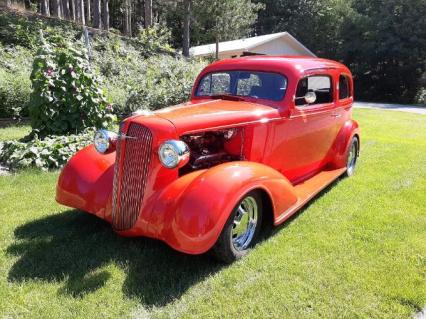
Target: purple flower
109	107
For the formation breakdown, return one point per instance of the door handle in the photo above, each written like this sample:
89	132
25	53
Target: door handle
336	115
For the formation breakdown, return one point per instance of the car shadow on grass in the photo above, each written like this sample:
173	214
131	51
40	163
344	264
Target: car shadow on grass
75	248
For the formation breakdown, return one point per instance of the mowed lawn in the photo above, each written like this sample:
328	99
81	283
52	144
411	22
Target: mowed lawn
357	251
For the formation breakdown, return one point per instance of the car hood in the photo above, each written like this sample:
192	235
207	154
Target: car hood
211	114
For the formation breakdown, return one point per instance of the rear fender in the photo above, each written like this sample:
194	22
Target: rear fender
86	181
342	142
192	211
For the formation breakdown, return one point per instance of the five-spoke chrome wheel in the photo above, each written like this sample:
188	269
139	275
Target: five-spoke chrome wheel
242	228
244	224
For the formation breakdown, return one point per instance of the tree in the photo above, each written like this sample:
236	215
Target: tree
148	13
97	14
56	8
186	27
128	18
88	13
45	10
384	44
73	9
65	9
105	15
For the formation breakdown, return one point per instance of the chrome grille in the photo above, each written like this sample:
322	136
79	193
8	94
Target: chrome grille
133	157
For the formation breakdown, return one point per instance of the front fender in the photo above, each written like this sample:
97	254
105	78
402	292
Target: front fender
192	211
86	181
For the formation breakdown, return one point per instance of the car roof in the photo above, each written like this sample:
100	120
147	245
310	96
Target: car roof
296	64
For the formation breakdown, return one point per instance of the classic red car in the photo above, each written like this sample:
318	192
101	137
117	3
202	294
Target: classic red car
258	139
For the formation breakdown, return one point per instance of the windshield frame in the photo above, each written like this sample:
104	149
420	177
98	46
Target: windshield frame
243	97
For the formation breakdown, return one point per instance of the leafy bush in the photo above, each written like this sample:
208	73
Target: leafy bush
15	90
167	81
154	40
49	153
421	96
15	85
66	96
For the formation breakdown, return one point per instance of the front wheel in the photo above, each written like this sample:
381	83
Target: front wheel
241	230
352	158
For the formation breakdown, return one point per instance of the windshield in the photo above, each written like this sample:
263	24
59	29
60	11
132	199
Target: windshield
259	85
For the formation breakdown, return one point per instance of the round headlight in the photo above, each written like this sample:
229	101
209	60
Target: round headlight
173	153
104	141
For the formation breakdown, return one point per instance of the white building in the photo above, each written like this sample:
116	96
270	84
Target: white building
282	43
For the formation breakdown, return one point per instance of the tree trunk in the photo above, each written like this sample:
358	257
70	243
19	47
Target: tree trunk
45	7
128	18
74	10
8	3
78	10
82	13
88	12
65	9
56	8
105	15
148	13
186	26
97	14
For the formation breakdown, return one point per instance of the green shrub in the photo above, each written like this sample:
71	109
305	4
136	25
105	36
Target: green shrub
15	85
15	90
66	96
154	40
49	153
167	81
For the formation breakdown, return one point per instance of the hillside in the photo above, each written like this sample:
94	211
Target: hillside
128	68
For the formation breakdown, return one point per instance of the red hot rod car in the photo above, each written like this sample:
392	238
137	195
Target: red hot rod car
258	139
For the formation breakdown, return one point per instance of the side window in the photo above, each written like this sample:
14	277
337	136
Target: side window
216	83
319	84
344	89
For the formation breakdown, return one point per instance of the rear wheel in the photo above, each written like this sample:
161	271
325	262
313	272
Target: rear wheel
241	230
352	158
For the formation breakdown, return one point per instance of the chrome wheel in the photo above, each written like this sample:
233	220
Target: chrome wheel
244	223
352	157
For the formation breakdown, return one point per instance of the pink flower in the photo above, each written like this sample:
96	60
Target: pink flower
49	72
109	107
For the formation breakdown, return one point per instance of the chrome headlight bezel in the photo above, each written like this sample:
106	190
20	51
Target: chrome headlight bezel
104	141
174	154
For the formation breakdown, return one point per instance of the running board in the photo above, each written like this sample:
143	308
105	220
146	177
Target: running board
306	190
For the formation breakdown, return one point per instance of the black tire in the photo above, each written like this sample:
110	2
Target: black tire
352	157
224	248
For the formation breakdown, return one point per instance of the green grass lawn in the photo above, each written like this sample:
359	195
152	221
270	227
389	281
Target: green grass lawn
357	251
14	132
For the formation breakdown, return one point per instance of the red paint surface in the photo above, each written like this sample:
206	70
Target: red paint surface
284	146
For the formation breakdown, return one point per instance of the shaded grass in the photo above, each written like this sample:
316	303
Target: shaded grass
357	251
14	132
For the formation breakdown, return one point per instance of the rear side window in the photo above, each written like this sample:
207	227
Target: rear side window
319	84
344	89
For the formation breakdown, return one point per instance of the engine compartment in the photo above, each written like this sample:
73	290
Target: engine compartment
212	148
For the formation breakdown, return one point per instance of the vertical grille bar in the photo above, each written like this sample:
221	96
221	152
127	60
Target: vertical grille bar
133	157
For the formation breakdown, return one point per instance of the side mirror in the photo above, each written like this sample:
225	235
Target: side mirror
310	97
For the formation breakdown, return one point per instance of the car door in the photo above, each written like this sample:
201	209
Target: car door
302	141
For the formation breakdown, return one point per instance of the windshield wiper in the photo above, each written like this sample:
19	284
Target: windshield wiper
227	97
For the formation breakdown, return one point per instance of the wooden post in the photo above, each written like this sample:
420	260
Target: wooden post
217	48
